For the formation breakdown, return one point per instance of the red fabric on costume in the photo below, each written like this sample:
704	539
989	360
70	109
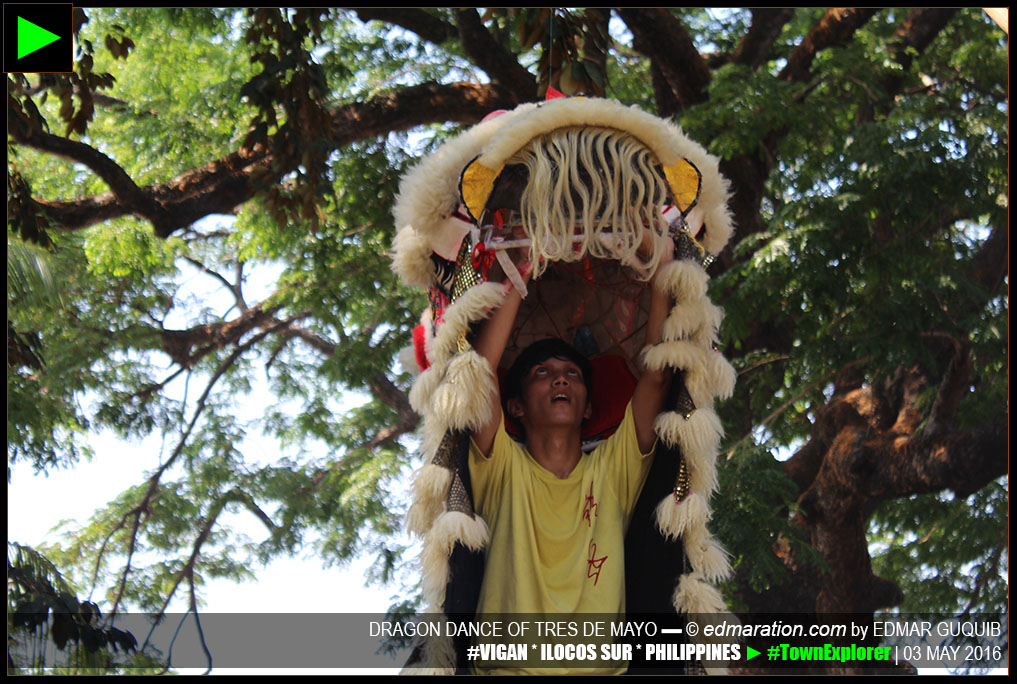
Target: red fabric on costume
419	335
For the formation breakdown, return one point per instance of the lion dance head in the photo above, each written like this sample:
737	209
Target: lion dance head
589	187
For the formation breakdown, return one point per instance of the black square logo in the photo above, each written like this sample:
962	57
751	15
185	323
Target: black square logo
37	38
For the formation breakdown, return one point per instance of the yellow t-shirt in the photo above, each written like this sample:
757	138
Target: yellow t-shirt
556	546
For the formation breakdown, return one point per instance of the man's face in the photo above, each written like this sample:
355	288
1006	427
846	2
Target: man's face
554	394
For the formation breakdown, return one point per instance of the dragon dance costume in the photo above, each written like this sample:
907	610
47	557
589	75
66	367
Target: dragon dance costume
578	181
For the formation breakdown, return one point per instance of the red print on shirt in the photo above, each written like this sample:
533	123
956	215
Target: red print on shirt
591	508
594	563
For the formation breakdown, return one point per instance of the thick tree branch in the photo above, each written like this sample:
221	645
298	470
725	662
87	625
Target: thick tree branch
178	344
126	192
918	30
757	43
750	172
962	461
421	22
915	33
487	53
952	389
659	35
318	342
835	28
598	38
386	391
216	188
668	105
871	449
991	263
221	186
805	463
864	449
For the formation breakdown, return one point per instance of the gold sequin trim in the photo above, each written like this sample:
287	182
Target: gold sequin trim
457	498
682	482
466	275
684	404
685	244
446	456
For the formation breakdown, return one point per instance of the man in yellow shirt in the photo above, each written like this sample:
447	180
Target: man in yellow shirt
557	517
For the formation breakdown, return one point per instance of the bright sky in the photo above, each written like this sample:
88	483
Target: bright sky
75	494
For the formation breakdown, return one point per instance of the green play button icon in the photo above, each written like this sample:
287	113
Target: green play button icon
32	37
752	653
39	38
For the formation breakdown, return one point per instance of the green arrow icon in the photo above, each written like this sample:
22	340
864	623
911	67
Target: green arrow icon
32	37
752	653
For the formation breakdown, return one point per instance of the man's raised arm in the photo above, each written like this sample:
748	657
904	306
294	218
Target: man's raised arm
651	389
490	343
